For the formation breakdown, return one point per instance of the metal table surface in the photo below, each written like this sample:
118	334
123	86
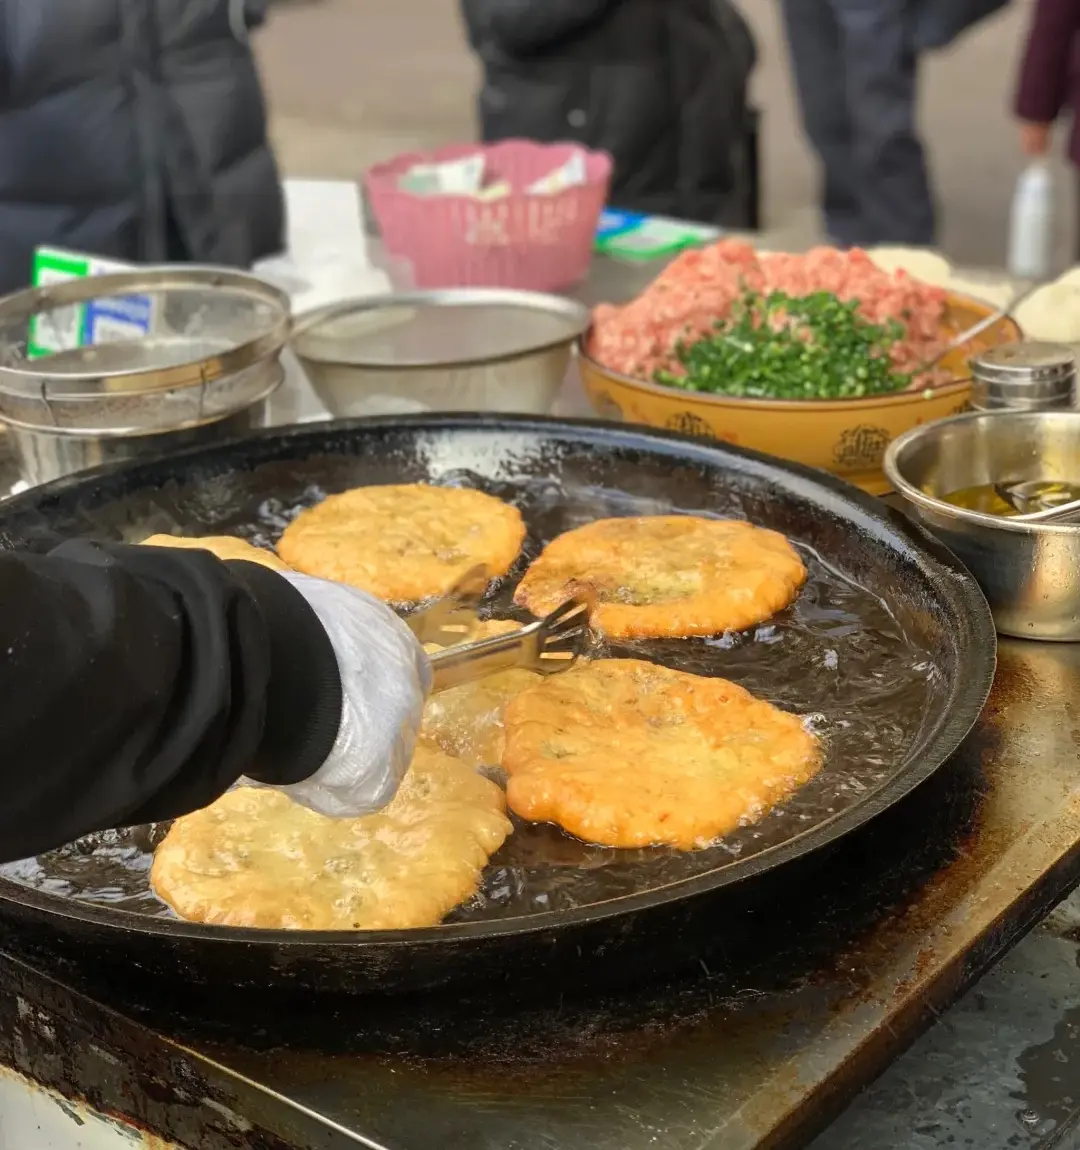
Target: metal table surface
763	1054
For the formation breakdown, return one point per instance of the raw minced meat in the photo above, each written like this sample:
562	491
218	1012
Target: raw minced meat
698	289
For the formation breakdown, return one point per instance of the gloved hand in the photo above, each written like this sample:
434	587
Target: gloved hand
385	679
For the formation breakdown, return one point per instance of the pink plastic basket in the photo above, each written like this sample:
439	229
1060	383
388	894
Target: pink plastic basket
530	242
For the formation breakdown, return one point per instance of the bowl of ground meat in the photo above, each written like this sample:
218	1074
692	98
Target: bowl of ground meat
823	358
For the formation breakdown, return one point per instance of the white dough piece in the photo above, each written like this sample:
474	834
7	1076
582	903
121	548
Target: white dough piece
920	263
1052	313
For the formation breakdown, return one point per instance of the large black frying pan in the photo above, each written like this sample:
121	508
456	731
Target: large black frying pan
890	647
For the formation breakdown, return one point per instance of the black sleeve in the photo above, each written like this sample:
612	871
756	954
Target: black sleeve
525	27
139	683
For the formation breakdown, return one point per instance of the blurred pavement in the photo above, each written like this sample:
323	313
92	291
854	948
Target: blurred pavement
355	81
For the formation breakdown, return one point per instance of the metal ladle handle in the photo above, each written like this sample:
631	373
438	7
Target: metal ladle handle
1066	511
1062	512
978	328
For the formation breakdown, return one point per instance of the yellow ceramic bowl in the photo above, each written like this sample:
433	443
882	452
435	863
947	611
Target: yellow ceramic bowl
845	436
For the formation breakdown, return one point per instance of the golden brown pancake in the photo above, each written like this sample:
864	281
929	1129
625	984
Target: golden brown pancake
404	543
667	575
628	754
255	858
467	721
223	546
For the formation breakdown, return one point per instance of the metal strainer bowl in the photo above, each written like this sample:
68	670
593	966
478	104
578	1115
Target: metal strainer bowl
460	349
76	374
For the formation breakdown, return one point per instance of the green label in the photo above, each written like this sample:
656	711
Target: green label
654	238
62	328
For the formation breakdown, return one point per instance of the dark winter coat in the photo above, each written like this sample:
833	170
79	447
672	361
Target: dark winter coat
136	687
1050	76
940	23
134	129
660	84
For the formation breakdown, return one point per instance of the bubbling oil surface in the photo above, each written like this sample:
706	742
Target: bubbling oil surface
838	656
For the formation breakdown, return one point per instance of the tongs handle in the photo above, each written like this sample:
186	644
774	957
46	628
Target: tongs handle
471	661
547	647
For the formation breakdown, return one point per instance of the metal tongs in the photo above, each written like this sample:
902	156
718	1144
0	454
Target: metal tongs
1022	497
442	622
547	647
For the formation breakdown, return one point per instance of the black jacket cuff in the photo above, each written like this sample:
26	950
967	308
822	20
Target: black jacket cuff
304	696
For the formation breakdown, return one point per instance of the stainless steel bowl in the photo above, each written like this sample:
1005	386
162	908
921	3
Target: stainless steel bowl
455	350
1030	573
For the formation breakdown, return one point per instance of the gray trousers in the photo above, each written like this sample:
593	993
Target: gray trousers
855	71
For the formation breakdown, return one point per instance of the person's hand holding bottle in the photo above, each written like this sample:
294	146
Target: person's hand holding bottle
1035	139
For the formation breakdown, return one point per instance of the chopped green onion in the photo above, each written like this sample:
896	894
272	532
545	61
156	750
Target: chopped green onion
784	347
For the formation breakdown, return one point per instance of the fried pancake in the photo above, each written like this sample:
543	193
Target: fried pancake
223	546
404	543
255	858
467	721
667	575
628	754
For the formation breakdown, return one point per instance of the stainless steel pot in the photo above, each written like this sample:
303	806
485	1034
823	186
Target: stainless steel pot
1029	572
202	370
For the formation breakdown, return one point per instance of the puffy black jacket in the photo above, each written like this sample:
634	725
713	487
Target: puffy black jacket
138	684
660	84
134	129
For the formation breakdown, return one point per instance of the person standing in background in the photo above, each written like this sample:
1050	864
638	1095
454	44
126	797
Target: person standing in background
136	130
856	72
1050	78
659	84
855	67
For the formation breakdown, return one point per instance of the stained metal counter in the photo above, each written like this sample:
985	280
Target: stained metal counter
758	1053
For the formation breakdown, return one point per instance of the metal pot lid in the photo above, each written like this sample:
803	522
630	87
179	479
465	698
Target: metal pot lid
433	329
204	325
1033	361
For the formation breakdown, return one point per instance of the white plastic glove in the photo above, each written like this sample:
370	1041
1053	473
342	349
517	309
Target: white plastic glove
385	679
